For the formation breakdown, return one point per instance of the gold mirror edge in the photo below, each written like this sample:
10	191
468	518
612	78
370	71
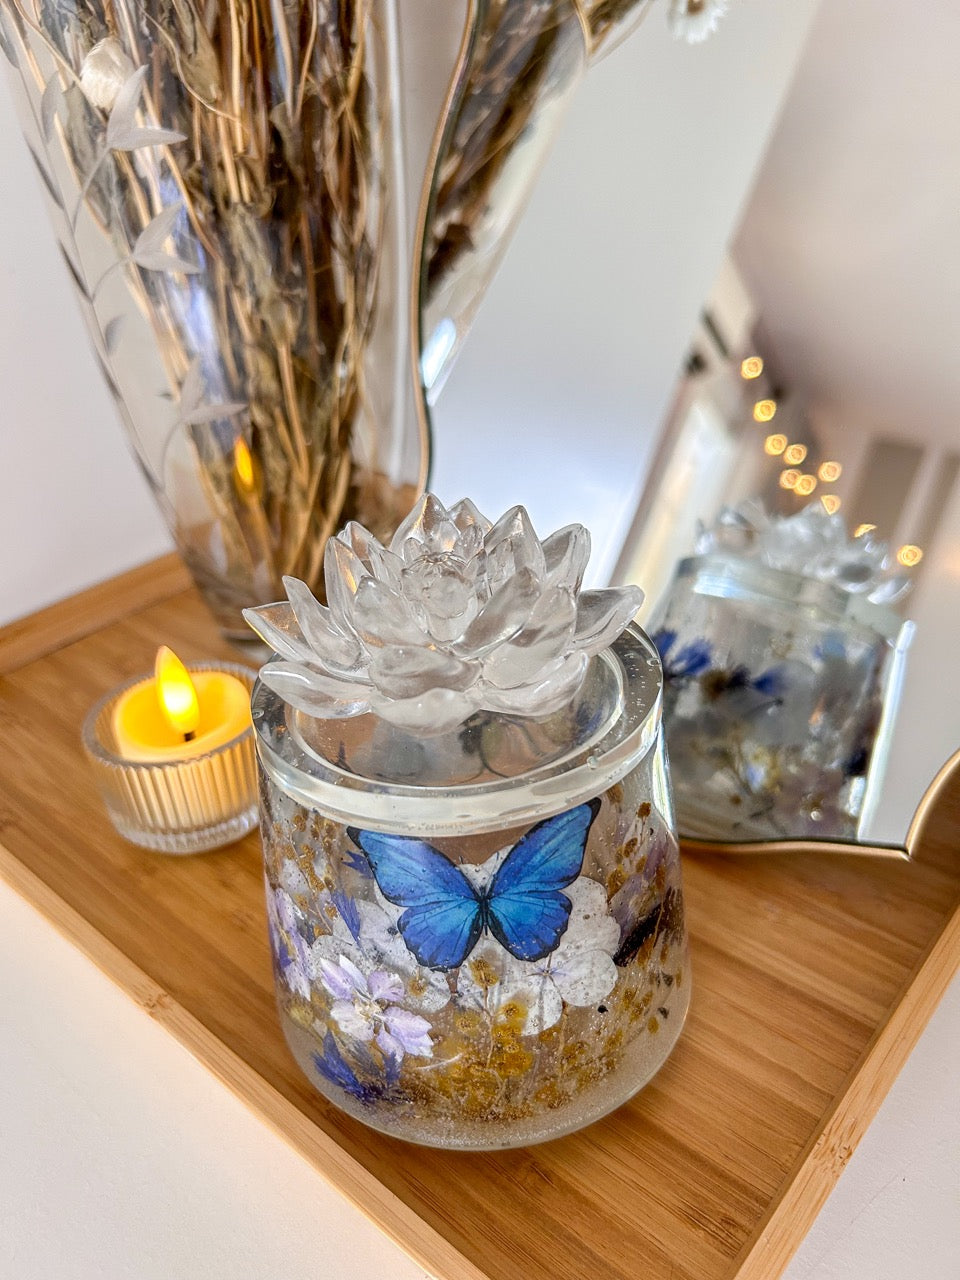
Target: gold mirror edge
927	800
848	848
474	8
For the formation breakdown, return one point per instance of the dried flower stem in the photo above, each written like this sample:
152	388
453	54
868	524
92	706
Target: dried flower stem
280	179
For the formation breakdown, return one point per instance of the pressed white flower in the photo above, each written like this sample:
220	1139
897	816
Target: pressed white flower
580	972
105	70
694	20
457	615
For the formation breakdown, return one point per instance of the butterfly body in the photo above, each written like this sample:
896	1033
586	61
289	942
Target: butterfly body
522	904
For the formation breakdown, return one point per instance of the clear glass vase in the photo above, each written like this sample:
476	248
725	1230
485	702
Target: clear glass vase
227	192
478	938
780	693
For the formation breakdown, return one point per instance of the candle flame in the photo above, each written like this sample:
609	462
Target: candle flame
178	697
243	467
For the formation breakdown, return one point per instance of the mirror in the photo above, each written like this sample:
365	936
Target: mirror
517	68
838	279
839	298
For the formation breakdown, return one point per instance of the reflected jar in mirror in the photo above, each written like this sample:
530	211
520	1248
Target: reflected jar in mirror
780	693
478	938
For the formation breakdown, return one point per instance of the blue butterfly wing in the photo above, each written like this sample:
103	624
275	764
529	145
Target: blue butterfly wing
443	917
442	934
524	908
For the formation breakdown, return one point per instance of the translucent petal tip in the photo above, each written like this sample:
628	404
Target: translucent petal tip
458	615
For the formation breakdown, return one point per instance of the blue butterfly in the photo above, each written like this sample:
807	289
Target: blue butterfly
522	906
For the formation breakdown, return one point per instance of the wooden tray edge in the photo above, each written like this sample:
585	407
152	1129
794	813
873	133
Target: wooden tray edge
37	634
398	1221
820	1164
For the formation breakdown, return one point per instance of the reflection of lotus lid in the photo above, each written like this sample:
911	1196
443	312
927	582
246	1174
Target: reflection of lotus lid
457	615
812	544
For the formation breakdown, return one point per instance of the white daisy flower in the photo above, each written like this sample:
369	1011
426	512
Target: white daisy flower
580	972
694	20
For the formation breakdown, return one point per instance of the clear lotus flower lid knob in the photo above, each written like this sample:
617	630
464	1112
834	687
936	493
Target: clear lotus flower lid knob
458	615
812	543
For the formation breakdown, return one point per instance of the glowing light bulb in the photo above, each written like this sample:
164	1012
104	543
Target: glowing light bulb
795	454
805	485
831	503
789	478
829	471
176	692
909	555
764	410
774	445
752	367
861	529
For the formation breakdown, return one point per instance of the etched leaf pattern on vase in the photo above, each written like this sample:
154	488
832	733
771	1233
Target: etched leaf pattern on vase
225	191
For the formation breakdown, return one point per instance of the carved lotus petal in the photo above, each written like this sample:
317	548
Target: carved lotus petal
381	616
566	554
813	543
402	671
545	638
602	615
319	628
313	691
455	616
503	615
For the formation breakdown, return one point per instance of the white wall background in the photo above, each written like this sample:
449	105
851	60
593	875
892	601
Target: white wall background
561	388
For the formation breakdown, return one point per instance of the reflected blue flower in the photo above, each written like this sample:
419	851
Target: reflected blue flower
692	660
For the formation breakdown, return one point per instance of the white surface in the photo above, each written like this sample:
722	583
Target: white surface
123	1157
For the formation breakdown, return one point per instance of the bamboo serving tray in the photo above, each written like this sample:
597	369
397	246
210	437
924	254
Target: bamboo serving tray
813	976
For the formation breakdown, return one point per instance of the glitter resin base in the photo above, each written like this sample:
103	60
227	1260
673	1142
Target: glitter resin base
478	938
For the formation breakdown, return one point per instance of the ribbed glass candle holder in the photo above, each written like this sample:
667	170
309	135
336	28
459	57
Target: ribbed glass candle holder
176	806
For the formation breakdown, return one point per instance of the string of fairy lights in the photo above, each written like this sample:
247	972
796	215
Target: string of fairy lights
805	483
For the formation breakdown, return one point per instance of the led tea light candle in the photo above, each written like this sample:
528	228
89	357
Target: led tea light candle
174	758
177	716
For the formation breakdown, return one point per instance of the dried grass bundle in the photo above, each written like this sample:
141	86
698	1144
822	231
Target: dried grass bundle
233	152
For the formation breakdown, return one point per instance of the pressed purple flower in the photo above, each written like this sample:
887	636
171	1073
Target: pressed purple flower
291	953
333	1067
366	1008
772	683
348	912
